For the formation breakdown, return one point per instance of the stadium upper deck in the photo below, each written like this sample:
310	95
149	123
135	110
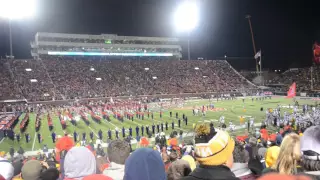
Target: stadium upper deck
104	45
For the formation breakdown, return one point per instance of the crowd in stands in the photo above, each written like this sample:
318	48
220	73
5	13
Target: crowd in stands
7	88
215	155
69	77
302	76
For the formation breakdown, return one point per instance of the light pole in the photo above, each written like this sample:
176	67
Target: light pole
10	39
252	38
188	45
186	19
16	9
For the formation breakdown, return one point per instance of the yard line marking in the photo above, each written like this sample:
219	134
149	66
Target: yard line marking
2	140
111	124
34	140
93	131
136	123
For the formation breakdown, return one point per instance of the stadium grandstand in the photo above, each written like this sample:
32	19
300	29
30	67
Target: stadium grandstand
75	66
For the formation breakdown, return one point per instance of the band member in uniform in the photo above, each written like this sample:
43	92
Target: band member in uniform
177	115
158	128
172	125
147	130
142	130
75	136
153	127
91	135
186	120
161	127
152	116
84	136
130	131
53	136
137	131
160	114
117	134
166	126
100	134
109	134
170	114
27	137
123	132
39	137
18	137
179	123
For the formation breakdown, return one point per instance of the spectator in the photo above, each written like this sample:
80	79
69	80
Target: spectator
310	148
289	156
272	155
32	170
6	169
21	151
118	151
190	160
178	169
79	162
240	166
97	177
283	177
214	154
144	164
50	174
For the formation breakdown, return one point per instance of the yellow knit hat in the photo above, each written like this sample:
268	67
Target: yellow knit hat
213	151
190	160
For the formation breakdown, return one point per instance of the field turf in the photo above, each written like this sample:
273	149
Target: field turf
230	109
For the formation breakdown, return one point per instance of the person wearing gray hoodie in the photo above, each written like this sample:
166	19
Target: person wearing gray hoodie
118	151
79	163
240	166
310	148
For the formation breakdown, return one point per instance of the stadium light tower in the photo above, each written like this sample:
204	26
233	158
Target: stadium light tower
16	9
186	18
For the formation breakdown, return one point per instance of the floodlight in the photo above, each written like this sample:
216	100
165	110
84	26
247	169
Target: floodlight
204	76
146	69
98	79
17	9
92	69
154	77
28	69
186	16
196	68
33	80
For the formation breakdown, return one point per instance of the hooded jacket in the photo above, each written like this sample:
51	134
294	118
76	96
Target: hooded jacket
79	163
211	173
115	171
178	169
144	164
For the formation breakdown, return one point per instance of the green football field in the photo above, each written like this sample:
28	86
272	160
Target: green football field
230	109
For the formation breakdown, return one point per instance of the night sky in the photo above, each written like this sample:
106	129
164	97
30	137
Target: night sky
283	30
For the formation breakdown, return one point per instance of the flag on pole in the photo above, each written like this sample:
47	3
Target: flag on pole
316	53
292	91
257	55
